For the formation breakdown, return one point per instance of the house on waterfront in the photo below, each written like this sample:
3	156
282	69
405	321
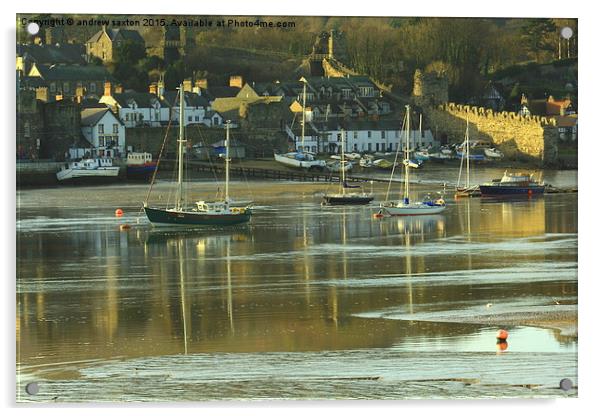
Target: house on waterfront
362	136
103	43
157	107
104	131
136	109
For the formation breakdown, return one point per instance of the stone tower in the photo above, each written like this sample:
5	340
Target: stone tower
430	88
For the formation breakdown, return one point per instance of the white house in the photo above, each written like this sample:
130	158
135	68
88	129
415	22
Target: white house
361	136
104	131
138	109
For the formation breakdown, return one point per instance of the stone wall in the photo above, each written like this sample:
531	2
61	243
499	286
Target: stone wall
527	138
258	142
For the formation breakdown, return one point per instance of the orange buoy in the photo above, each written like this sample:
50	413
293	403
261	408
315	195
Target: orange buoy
124	227
118	212
502	334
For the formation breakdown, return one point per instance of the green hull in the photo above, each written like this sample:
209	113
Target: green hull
164	217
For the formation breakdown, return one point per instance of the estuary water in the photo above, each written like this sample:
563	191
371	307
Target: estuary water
305	302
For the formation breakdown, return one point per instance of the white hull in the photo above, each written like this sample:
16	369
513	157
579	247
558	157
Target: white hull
102	172
305	164
414	209
493	154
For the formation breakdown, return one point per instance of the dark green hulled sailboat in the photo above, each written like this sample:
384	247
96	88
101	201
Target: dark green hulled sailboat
202	213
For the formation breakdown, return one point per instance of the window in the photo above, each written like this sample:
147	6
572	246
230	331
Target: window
369	134
101	141
369	147
115	128
355	147
52	87
189	118
377	147
127	117
101	128
92	87
26	129
355	135
65	87
382	134
313	149
196	118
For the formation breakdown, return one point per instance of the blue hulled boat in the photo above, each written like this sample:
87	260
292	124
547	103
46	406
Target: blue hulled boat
520	184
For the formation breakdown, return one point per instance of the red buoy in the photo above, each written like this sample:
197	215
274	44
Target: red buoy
118	212
502	334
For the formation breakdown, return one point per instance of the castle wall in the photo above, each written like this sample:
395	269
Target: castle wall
528	138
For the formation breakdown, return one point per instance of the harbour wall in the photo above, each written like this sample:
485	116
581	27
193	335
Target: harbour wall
532	139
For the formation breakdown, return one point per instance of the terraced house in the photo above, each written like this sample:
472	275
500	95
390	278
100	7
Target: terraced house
68	81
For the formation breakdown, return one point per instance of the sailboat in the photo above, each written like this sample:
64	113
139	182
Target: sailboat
466	190
202	213
405	207
301	158
344	197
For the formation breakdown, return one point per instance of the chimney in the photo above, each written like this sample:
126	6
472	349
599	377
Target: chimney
108	89
187	85
80	92
42	94
236	81
202	83
160	87
118	89
152	88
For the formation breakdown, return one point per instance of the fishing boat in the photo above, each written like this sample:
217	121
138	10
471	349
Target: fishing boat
140	165
345	197
337	165
405	207
467	190
88	170
513	184
301	158
382	164
201	213
440	157
493	153
422	155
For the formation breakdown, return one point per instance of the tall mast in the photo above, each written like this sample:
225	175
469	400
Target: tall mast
406	192
343	160
303	119
467	156
227	159
181	141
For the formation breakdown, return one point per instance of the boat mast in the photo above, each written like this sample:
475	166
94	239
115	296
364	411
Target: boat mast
227	159
303	119
181	141
342	163
406	192
467	156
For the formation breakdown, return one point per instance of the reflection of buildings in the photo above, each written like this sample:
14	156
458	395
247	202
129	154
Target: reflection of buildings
501	218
